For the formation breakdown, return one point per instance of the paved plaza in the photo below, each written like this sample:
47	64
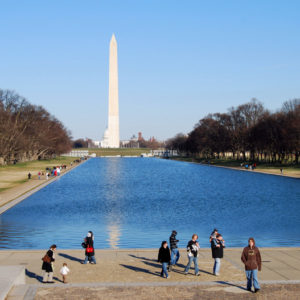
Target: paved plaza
135	274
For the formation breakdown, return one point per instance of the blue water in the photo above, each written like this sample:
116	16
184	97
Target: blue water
137	202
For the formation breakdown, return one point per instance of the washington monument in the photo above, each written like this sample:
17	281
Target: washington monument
111	137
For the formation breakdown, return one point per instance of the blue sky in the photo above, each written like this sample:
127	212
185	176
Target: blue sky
178	60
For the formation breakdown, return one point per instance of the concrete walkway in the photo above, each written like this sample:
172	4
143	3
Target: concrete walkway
139	269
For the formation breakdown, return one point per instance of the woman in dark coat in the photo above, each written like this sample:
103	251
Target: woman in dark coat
47	266
164	257
217	246
89	248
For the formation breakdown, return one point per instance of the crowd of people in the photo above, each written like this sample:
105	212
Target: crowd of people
52	171
169	257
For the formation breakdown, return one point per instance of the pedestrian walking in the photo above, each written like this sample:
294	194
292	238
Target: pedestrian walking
252	261
174	249
47	266
64	271
88	244
164	258
217	253
193	251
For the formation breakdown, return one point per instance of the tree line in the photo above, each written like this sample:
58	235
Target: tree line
29	132
246	132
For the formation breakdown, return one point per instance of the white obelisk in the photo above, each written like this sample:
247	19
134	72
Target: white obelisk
113	96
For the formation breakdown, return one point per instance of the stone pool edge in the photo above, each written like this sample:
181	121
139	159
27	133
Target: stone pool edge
257	171
17	200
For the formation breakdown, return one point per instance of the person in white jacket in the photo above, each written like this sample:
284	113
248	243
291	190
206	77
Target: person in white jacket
64	271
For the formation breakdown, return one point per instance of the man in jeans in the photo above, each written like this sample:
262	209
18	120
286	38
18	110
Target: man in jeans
252	260
174	249
193	250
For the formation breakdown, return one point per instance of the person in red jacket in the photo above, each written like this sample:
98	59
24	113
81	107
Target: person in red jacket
252	261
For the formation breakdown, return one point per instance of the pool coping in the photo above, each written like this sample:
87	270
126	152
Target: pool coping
22	197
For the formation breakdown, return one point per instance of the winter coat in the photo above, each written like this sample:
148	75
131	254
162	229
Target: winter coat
217	252
48	266
164	255
251	258
173	241
89	243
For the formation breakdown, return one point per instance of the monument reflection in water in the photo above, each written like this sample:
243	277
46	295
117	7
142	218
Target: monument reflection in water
113	176
137	202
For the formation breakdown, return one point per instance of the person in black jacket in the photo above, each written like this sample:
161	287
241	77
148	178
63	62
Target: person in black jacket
174	249
89	248
47	266
217	247
164	257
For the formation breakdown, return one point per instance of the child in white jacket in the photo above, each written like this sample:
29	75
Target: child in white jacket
64	271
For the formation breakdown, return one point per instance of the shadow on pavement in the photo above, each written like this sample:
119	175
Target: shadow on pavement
137	269
143	258
157	265
231	284
38	277
33	275
69	257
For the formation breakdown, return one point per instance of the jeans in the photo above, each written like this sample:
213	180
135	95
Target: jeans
174	256
93	259
252	277
195	260
164	269
217	266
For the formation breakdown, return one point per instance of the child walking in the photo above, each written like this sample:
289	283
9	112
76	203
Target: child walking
64	271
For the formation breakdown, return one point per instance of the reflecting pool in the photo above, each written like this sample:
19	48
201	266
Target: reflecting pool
137	202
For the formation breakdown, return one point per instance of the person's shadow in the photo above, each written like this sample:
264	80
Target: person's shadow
69	257
231	284
143	258
33	275
137	269
38	277
156	265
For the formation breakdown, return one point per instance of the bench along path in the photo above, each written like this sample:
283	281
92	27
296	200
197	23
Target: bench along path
124	270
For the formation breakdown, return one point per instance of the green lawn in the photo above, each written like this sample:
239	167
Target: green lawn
15	175
38	164
235	163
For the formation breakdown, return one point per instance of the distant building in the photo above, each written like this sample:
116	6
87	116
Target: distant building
77	153
132	143
140	136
